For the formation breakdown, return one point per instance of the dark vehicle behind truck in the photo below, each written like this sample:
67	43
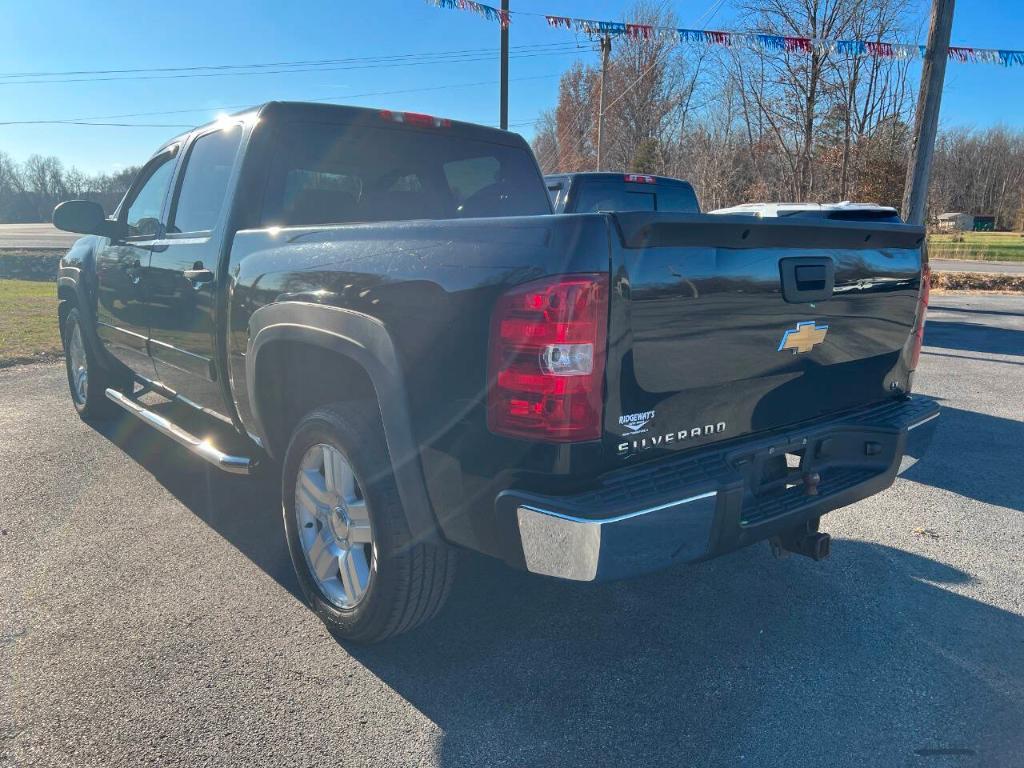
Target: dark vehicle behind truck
380	306
619	192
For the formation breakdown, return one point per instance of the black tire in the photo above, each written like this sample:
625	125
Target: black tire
94	405
409	581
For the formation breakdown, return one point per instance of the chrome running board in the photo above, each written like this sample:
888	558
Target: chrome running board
148	385
237	465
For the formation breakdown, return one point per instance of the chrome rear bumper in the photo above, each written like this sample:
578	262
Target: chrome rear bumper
631	524
574	547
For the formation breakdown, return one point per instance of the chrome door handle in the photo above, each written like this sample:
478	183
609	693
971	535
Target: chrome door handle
130	272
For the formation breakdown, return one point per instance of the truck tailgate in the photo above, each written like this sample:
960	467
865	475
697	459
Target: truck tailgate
724	326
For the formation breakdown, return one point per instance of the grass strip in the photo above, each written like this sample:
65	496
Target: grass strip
28	322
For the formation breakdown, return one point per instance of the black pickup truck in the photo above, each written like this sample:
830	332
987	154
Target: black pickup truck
382	308
595	192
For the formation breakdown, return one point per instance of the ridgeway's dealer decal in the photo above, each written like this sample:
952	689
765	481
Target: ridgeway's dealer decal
635	423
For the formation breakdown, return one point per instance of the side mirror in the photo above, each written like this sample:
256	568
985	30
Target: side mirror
84	217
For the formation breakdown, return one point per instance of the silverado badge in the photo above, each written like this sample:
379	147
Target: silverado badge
804	337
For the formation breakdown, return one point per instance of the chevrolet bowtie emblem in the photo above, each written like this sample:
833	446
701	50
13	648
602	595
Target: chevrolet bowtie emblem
804	337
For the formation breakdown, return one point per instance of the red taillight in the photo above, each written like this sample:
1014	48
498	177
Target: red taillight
640	178
415	118
547	356
922	310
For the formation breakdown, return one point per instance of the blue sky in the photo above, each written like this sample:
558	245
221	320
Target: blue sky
48	36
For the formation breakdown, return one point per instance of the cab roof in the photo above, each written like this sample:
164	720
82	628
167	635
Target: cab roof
293	111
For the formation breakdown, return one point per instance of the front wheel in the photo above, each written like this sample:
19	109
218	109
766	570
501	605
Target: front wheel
347	535
87	379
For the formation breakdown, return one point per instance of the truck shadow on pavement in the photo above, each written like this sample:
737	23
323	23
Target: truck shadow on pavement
865	659
869	658
973	337
245	511
977	456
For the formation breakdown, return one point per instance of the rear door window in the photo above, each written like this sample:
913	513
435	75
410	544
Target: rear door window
340	173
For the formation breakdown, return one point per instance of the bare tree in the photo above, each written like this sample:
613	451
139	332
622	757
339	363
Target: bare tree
545	142
576	119
648	92
980	172
29	191
795	88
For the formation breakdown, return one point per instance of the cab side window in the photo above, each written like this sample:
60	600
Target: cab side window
143	214
204	184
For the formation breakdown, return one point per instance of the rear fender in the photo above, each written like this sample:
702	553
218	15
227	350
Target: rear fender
365	341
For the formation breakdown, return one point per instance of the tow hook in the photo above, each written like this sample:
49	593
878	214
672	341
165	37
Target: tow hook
809	543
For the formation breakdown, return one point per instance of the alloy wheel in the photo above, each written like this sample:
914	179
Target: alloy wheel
334	526
79	365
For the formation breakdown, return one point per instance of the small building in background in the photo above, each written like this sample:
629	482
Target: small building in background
955	222
965	222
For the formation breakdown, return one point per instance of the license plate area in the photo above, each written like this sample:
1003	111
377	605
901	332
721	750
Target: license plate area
798	471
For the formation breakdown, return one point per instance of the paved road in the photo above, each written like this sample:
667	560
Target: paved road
34	237
148	615
963	265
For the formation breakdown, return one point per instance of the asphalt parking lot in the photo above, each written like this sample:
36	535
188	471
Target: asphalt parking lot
149	615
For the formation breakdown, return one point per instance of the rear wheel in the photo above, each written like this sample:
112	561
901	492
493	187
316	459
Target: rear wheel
87	379
355	559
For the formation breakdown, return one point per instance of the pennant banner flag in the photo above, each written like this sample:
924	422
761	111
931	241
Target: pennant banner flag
486	11
771	42
799	45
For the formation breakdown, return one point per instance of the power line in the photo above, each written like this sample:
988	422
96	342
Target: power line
303	62
90	120
186	126
710	13
380	63
121	125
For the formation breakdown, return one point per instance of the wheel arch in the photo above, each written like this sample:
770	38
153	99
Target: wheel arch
289	340
71	294
76	287
67	297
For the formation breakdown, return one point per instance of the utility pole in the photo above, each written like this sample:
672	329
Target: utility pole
926	121
606	48
504	66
